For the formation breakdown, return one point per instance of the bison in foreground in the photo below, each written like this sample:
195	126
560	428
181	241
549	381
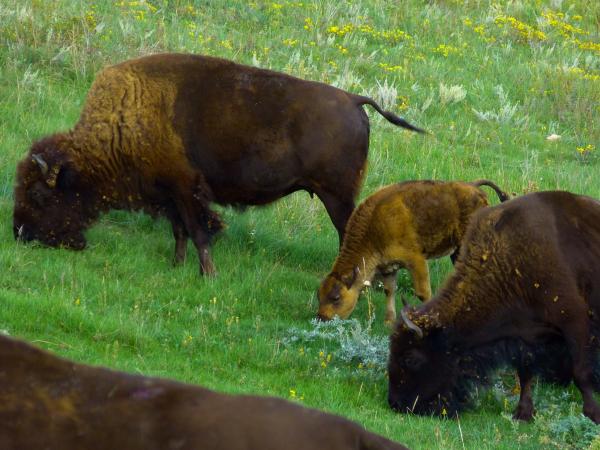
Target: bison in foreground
172	133
400	226
53	404
525	293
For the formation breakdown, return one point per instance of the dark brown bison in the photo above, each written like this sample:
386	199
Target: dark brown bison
400	226
53	404
172	133
525	293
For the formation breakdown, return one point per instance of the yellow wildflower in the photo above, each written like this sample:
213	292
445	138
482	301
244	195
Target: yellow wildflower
585	150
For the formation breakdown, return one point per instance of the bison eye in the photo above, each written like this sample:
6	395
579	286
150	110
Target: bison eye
37	196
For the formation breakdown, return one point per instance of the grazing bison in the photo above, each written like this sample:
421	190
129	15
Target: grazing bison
399	226
525	293
172	133
53	404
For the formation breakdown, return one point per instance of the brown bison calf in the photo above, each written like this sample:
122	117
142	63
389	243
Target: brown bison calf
172	133
399	226
525	293
53	404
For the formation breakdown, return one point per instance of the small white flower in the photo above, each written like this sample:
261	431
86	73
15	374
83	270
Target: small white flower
553	137
367	283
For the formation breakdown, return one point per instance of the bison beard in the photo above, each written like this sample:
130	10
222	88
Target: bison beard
50	403
525	294
172	133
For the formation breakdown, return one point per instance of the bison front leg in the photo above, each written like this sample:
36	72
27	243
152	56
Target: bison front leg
524	410
181	237
575	327
390	286
199	222
417	265
582	375
201	241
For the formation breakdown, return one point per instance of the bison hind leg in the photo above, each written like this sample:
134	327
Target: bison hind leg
339	207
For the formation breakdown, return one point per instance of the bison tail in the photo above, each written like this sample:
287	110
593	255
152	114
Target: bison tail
390	116
502	196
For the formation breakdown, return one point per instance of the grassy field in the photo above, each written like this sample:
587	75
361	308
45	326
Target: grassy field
491	80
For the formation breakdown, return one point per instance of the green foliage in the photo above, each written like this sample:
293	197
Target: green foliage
353	344
492	81
574	431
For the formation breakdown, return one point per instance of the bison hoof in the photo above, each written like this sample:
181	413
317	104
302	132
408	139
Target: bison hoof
524	413
212	273
208	270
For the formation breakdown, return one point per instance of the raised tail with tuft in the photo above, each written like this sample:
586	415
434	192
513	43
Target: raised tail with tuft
390	116
502	196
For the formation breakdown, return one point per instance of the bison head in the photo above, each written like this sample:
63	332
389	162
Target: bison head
49	205
423	371
338	295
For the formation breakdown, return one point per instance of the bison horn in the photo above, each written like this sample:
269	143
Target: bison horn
410	324
41	163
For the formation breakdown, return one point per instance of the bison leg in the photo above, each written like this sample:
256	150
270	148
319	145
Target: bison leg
454	255
575	327
389	287
417	265
524	410
180	235
181	238
582	375
339	210
199	221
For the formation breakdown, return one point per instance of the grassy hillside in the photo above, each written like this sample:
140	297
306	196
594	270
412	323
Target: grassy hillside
490	80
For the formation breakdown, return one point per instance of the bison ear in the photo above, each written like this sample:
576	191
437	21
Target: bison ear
49	173
349	279
52	175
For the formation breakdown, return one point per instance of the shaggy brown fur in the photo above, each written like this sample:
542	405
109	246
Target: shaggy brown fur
172	133
400	226
53	404
525	293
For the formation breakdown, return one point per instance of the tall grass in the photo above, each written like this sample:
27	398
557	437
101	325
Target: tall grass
490	80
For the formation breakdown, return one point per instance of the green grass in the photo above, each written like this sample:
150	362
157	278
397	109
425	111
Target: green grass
121	304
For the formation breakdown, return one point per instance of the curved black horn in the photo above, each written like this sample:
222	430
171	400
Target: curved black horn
410	324
41	163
